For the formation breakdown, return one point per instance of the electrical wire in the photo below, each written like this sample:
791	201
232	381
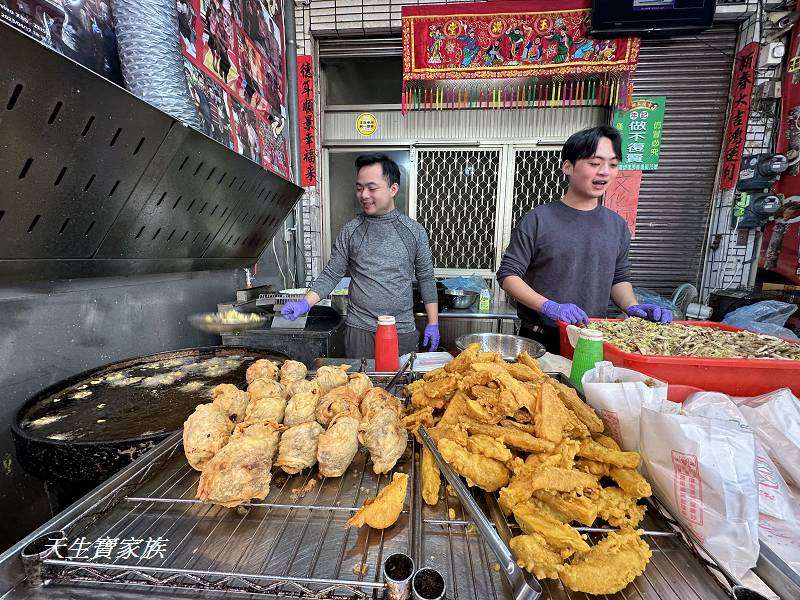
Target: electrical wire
278	262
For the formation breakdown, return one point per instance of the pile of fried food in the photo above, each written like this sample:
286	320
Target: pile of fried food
511	429
654	339
234	440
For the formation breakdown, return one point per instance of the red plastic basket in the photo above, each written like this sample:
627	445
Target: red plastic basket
733	376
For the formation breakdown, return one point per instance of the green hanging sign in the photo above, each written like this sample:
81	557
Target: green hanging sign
640	127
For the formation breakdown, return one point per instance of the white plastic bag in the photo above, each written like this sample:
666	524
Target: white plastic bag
775	418
774	498
782	538
618	396
703	470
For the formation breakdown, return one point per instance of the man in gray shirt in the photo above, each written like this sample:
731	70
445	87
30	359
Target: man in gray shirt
383	250
567	259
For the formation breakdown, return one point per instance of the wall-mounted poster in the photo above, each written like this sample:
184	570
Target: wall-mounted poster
82	30
235	67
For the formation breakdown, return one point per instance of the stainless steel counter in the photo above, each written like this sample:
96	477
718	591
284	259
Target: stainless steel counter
500	309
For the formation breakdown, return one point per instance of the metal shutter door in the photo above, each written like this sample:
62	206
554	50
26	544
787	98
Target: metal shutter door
694	74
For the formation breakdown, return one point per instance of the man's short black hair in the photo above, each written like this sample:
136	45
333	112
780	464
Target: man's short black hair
391	172
583	144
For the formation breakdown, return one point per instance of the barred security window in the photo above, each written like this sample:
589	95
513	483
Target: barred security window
537	180
457	204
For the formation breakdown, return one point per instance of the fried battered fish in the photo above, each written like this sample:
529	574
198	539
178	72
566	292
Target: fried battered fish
530	362
485	473
238	473
431	478
412	421
298	447
230	400
550	417
331	377
337	446
574	506
489	447
205	432
535	556
557	534
619	509
511	437
609	566
383	435
631	482
597	452
339	400
291	371
383	510
261	369
532	477
572	401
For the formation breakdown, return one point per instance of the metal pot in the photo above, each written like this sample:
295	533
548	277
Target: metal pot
461	299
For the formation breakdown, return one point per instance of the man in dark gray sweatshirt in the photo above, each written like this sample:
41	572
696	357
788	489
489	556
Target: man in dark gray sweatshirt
383	250
567	259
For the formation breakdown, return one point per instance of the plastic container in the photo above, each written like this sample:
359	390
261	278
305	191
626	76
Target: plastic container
387	353
588	352
733	376
485	301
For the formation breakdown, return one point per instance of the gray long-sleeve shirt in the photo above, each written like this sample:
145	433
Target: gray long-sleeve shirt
382	255
568	256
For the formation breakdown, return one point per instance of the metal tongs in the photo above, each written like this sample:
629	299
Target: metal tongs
524	586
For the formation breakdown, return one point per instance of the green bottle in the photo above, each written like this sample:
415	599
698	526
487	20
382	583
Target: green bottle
588	345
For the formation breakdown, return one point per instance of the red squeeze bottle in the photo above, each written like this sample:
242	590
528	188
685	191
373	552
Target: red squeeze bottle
386	346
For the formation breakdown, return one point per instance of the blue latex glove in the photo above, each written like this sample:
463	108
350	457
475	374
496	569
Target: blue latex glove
569	313
295	310
431	336
651	312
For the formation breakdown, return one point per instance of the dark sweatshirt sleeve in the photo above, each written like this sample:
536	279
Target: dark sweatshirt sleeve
337	266
519	255
622	270
423	269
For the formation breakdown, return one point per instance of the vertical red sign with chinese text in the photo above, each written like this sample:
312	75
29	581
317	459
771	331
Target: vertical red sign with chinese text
744	75
305	96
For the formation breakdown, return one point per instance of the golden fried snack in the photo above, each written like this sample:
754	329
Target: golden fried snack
572	401
522	417
491	407
359	384
522	372
530	362
631	482
205	432
550	416
515	423
377	399
337	446
558	535
383	435
504	380
383	510
573	506
439	373
454	412
475	379
267	432
609	566
463	361
298	447
592	467
606	441
485	473
489	447
512	437
338	400
487	357
619	509
531	477
595	451
269	408
431	478
238	473
535	556
303	385
230	400
266	387
454	433
413	420
291	371
563	455
301	408
331	377
261	369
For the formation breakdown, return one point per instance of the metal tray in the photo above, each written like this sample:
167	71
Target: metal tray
290	546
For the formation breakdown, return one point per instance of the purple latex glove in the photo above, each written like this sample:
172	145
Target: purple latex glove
569	313
432	337
295	310
651	312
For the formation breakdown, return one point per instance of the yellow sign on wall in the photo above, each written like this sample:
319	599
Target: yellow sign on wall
366	124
